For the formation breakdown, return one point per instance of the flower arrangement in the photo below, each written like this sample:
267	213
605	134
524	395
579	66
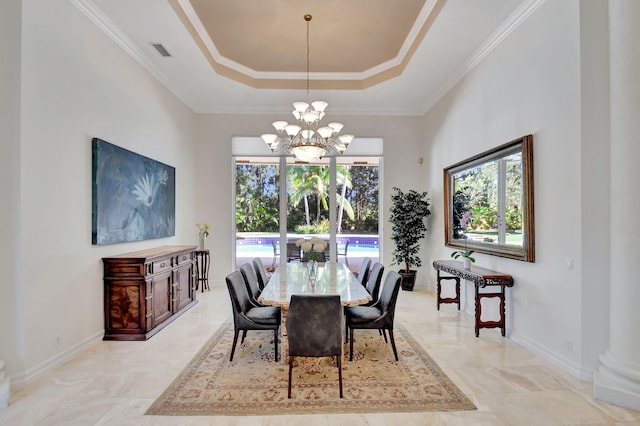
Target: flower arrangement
203	229
203	232
312	248
465	254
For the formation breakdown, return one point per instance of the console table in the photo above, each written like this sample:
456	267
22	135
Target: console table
481	278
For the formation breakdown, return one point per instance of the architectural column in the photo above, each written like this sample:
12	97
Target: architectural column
617	378
4	387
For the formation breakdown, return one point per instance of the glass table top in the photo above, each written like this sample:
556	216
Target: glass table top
332	278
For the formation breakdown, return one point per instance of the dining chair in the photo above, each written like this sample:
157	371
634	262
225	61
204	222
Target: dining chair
314	329
261	273
248	317
251	282
293	251
373	283
343	253
276	251
379	316
363	273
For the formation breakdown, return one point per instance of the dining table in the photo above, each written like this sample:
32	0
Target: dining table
331	278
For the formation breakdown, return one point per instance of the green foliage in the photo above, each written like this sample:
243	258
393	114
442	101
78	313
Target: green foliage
476	192
408	213
321	227
257	205
256	198
363	196
464	253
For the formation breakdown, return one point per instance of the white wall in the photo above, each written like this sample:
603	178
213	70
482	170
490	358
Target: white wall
78	84
11	306
530	84
402	136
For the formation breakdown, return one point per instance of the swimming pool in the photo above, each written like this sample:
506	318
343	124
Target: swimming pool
261	246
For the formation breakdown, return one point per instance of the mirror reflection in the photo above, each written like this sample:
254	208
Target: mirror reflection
489	204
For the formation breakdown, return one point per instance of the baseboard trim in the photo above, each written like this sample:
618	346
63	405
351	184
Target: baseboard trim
559	361
67	354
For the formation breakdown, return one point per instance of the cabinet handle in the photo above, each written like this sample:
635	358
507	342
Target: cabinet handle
162	265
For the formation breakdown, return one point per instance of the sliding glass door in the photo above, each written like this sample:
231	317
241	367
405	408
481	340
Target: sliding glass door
333	199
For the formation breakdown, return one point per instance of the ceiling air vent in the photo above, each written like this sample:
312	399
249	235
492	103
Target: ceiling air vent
161	49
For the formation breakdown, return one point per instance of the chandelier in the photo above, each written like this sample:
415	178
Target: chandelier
308	140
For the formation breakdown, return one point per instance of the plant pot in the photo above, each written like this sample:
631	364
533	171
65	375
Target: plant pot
466	263
408	279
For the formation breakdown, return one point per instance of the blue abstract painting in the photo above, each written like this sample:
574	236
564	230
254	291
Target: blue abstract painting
133	196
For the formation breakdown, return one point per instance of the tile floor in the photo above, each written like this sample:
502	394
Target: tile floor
113	383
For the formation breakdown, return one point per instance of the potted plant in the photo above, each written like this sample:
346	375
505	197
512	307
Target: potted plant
467	259
461	234
408	213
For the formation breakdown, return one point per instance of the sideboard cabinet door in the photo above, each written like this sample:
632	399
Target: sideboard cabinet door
184	279
145	290
161	297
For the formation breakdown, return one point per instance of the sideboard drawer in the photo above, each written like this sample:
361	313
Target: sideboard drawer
184	258
161	265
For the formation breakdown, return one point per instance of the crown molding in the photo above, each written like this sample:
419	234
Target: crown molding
492	42
97	16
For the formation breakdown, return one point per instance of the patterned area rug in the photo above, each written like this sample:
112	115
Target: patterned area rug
253	384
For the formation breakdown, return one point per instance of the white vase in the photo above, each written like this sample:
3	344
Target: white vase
202	241
466	263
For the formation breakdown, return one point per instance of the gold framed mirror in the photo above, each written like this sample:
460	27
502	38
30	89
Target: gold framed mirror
489	202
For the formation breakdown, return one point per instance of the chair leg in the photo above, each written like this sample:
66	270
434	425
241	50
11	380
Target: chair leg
384	333
340	373
235	340
393	343
290	368
275	342
244	334
351	344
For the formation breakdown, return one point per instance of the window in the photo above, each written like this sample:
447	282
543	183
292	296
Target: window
336	200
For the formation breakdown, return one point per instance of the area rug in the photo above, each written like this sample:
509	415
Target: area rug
253	384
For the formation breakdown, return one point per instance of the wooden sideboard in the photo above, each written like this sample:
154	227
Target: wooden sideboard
145	290
482	278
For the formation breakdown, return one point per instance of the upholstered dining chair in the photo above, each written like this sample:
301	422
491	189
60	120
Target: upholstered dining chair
345	248
363	273
379	316
373	283
251	281
248	317
314	328
261	273
293	251
276	251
